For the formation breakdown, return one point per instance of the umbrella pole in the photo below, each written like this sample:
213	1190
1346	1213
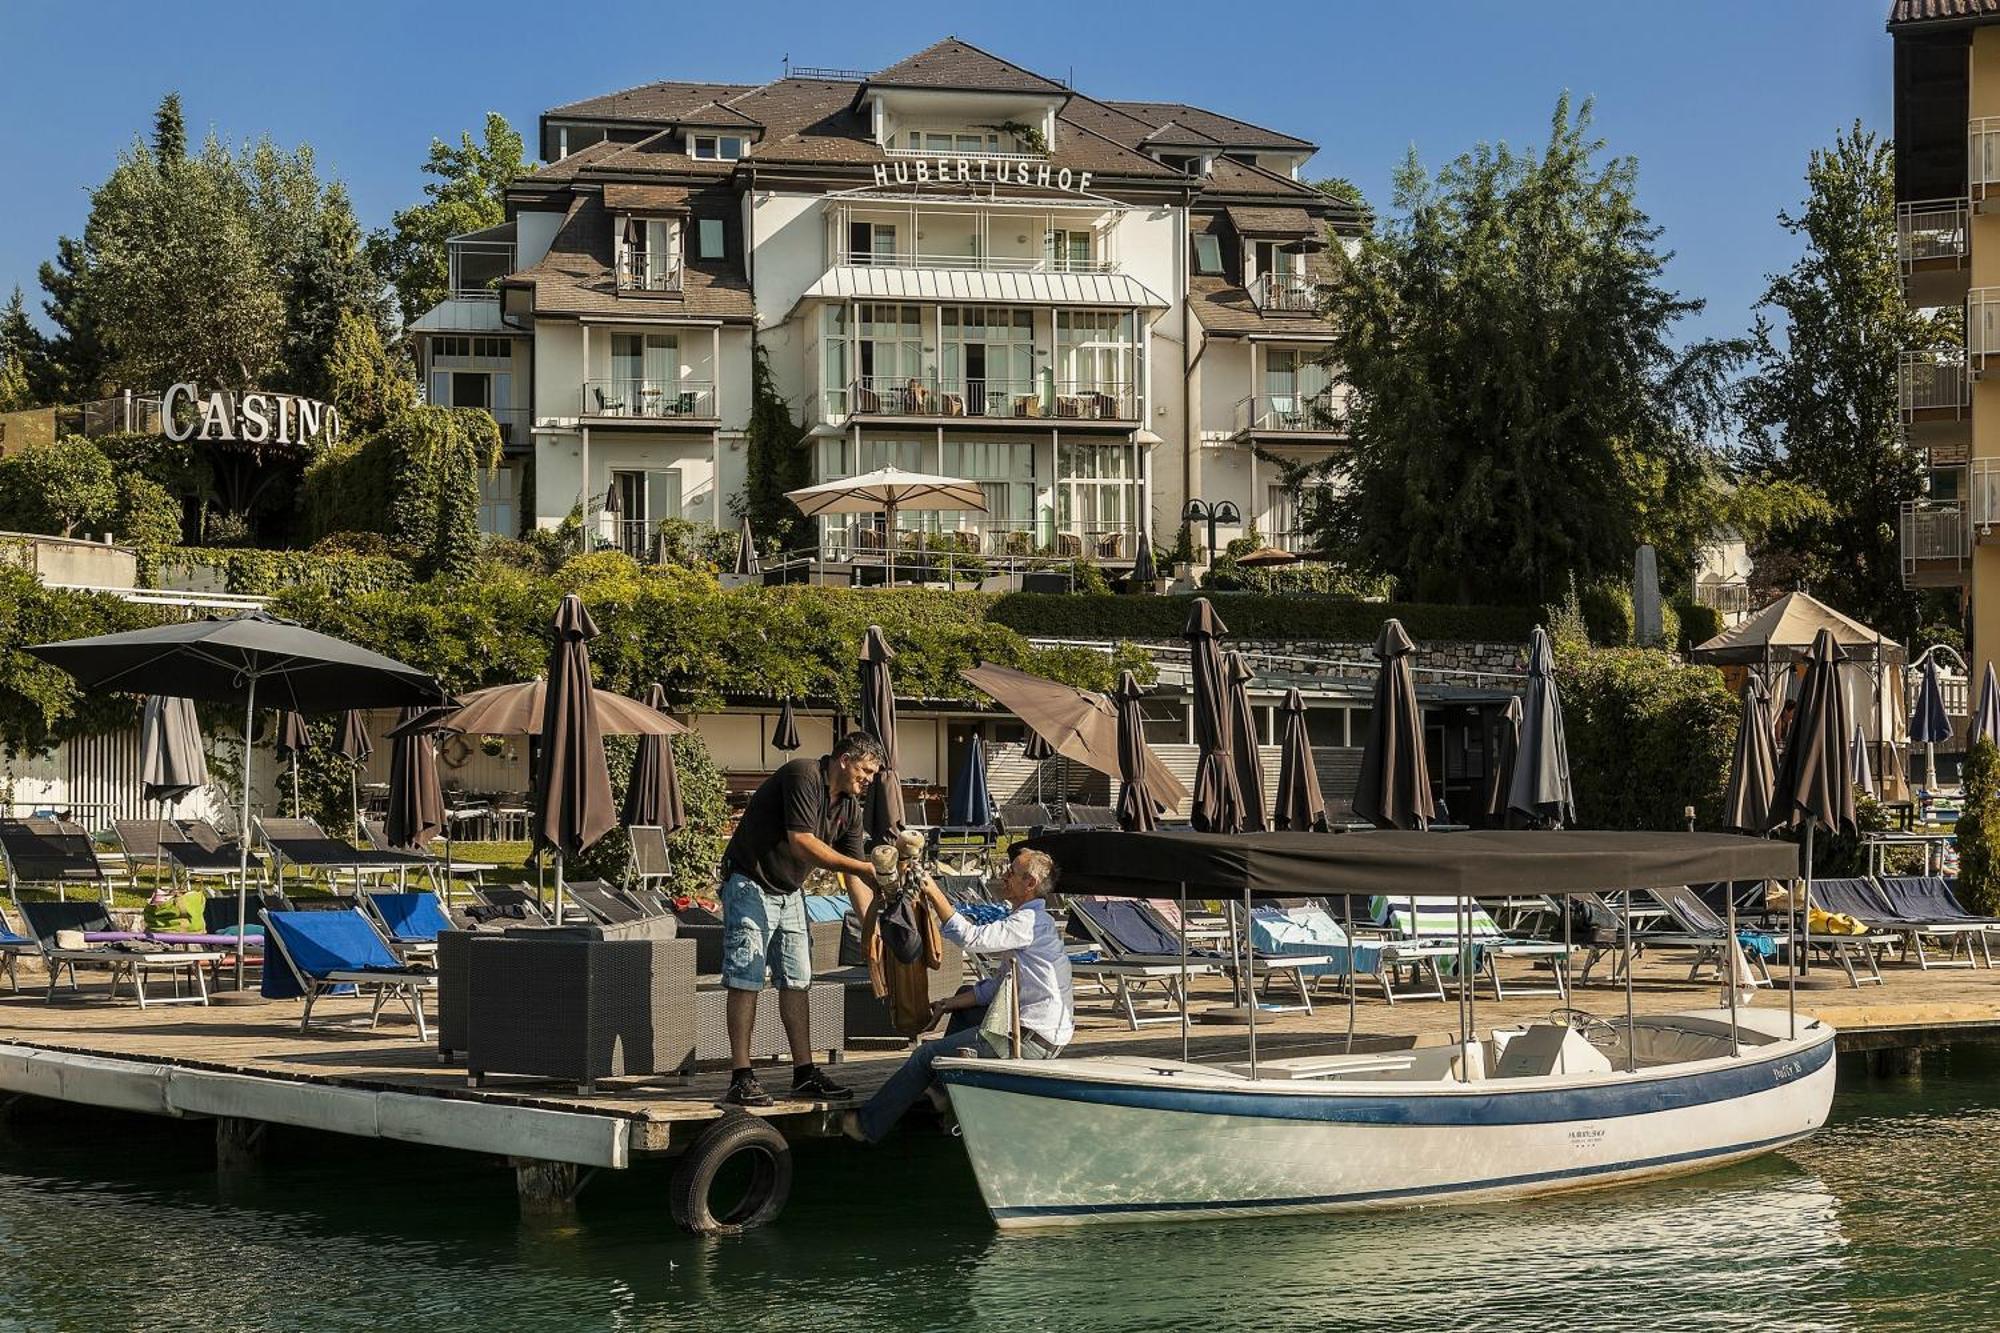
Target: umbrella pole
1184	976
243	837
354	798
1250	980
559	886
1736	961
1347	910
297	807
1804	965
1631	1028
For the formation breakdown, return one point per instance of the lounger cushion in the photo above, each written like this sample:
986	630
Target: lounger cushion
411	916
323	943
183	912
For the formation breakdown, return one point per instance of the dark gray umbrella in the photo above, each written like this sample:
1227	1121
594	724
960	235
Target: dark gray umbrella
1986	718
171	762
1243	743
1815	784
653	796
416	799
1138	810
1037	752
1929	723
355	747
878	719
785	736
1144	569
1746	801
1218	802
1394	790
746	549
242	659
574	781
1541	786
292	739
1500	774
1300	806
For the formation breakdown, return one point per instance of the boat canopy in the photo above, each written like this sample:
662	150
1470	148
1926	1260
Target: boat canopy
1474	864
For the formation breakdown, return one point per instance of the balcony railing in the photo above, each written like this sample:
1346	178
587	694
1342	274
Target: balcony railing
1982	325
1285	291
1936	537
641	399
476	268
1982	168
1282	412
1731	599
1933	381
1932	229
645	275
915	396
1041	263
1983	512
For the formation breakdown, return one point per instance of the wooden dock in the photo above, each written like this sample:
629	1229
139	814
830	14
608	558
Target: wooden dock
249	1065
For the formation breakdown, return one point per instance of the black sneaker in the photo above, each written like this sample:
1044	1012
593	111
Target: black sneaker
817	1087
745	1090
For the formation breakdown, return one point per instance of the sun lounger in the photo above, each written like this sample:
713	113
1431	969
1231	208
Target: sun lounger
334	953
1075	815
410	920
1131	930
301	845
1862	900
648	866
46	852
602	903
1434	920
1917	908
502	903
1025	818
122	953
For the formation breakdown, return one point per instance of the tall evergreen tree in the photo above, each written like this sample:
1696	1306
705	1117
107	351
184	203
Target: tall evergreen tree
22	353
467	192
777	458
169	130
79	360
1521	413
1821	409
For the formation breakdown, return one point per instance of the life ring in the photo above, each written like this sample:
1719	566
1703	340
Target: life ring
765	1152
455	752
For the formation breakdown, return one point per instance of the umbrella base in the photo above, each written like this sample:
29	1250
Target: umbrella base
236	997
1834	982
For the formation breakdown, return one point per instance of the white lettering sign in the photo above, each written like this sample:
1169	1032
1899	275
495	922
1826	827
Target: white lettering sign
983	171
250	418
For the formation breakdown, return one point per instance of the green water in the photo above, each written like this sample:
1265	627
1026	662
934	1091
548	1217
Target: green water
1888	1219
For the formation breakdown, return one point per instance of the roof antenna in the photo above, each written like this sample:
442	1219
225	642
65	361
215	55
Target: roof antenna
788	64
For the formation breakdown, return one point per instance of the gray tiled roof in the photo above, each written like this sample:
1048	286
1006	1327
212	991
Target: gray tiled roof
1225	130
952	63
1934	11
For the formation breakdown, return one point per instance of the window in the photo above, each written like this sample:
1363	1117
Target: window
1068	251
956	142
1005	471
645	378
459	348
652	253
644	500
1296	389
1182	162
454	348
709	235
987	356
1095	352
715	147
1097	491
496	503
492	349
888	355
1207	254
871	243
834	369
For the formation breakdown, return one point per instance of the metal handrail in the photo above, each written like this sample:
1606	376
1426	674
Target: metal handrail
1983	152
932	396
846	254
1982	322
981	154
1929	380
635	275
1368	669
1933	229
648	399
1932	531
1325	410
1285	291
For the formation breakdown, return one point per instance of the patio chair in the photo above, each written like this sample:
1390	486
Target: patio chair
341	953
1436	919
12	946
302	845
607	406
50	852
1915	909
647	864
125	954
411	921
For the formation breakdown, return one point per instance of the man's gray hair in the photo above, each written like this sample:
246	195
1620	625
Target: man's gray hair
860	745
1042	867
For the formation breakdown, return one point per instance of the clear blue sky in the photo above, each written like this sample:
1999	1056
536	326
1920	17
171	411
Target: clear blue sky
1720	100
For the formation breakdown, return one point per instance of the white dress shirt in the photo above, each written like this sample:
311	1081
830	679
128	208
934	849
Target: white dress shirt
1027	940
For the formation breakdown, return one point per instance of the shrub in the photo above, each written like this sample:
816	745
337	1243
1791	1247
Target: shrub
1698	623
147	513
261	573
1259	616
697	545
1647	737
60	488
1313	576
1607	610
1978	830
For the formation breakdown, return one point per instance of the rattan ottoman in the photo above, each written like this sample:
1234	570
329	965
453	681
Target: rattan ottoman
825	1005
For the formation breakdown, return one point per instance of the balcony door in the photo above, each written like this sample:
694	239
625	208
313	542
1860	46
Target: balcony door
1097	494
888	354
1295	389
986	357
645	373
1095	354
871	243
644	499
652	252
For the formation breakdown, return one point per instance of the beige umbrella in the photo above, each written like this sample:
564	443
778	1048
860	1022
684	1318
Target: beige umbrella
1266	555
885	491
516	710
1080	725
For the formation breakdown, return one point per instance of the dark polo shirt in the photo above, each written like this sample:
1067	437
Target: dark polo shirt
792	800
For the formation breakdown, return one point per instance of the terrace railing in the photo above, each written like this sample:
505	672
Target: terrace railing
646	399
1277	412
928	396
645	275
1285	291
1932	381
1932	229
1935	534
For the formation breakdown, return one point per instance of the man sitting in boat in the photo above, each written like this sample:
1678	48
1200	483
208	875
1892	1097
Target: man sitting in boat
1030	948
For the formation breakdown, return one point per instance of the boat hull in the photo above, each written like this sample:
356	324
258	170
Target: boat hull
1067	1142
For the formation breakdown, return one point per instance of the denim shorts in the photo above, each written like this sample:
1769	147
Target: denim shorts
762	930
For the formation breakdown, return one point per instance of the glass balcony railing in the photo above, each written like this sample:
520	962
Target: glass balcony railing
1324	411
646	399
927	396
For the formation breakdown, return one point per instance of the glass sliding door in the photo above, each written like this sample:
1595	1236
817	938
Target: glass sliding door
889	359
986	359
645	376
1096	360
1097	499
1005	471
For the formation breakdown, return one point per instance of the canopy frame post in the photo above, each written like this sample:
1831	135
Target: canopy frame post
1184	972
243	832
1250	980
1736	963
1631	1021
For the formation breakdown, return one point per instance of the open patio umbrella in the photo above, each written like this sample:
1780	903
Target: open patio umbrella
1929	723
1218	803
239	659
1080	725
653	796
1145	570
291	740
1266	557
1753	776
785	736
1300	806
520	710
416	798
354	747
1815	784
971	804
1243	743
1500	774
746	549
1986	718
574	780
1394	790
1037	752
1541	786
1138	806
171	761
1864	775
884	810
885	491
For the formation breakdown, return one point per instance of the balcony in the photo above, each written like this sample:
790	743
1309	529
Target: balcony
1320	414
626	398
966	262
980	537
1936	543
1982	327
1933	249
1934	395
1728	598
1982	167
1286	293
986	399
475	268
641	275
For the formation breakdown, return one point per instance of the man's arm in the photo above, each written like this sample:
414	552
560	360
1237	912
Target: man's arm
1014	931
810	846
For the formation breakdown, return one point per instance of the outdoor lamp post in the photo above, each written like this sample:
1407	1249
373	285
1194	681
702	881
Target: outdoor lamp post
1201	511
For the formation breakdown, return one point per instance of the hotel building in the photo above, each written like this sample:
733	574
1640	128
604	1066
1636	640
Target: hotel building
1097	310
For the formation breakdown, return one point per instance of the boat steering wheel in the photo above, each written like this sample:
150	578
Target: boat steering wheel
1593	1028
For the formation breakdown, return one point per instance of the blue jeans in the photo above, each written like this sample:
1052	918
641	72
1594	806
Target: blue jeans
906	1087
763	930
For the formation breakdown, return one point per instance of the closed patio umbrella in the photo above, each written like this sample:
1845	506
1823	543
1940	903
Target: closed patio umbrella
1864	775
1541	787
1145	571
1218	803
171	761
1394	790
1986	718
1500	775
1138	807
416	799
1300	806
1243	741
653	796
971	804
1929	723
290	743
1753	775
355	747
574	780
746	549
1037	752
1815	784
884	809
785	736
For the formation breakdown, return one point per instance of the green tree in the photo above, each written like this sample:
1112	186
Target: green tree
60	488
1820	409
145	513
439	454
78	364
468	192
1521	411
170	138
1978	830
777	458
361	377
21	353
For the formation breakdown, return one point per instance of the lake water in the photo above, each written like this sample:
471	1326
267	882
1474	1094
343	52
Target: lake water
1888	1219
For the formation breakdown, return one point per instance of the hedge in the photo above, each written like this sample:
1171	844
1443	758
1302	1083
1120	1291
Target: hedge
1699	623
1647	737
1259	616
261	573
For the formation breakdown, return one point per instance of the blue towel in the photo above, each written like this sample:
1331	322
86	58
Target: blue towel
983	914
322	942
411	917
1279	931
827	906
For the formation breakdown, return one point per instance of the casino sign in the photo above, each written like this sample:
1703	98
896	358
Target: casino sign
250	417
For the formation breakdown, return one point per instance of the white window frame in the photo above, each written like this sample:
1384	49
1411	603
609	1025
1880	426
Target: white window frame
717	147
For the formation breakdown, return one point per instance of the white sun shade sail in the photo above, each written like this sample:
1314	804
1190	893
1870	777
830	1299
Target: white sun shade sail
888	488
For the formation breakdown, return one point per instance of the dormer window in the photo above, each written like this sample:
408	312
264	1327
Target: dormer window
649	257
716	147
952	143
1207	255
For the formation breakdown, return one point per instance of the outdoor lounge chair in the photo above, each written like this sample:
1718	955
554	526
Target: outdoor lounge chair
339	953
1436	920
123	953
1915	910
502	902
411	921
1076	815
148	842
602	903
1129	930
1025	818
301	845
47	852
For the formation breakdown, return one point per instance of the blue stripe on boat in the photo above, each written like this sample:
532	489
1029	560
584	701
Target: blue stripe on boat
1054	1210
1524	1107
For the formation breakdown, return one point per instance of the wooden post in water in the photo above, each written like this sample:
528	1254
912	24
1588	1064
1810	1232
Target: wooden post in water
546	1188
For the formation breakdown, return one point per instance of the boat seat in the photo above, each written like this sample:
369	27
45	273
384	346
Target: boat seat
1324	1066
1550	1048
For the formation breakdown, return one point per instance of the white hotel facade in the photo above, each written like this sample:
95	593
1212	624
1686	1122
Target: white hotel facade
1097	310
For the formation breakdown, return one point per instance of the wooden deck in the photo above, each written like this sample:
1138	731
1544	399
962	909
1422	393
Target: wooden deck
251	1061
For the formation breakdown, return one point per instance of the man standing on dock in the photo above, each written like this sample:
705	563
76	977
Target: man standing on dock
805	816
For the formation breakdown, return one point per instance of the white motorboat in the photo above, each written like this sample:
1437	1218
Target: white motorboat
1551	1107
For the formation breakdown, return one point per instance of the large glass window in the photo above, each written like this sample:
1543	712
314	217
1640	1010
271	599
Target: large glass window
645	376
1296	388
987	356
652	253
871	243
888	357
497	515
835	370
644	499
716	147
1095	352
1097	490
1068	250
1005	471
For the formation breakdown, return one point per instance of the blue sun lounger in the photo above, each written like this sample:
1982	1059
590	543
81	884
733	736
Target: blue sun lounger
411	920
340	953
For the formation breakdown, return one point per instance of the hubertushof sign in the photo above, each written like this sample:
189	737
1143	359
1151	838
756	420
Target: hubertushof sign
979	171
251	417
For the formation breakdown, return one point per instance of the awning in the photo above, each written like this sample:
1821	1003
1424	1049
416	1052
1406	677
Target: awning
461	315
868	282
1497	863
1784	630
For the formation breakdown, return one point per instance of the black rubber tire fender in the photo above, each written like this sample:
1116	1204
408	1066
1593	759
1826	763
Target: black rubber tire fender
694	1176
